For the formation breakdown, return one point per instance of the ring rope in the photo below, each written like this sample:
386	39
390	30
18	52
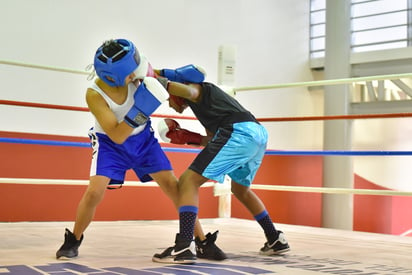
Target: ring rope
246	88
77	182
338	153
45	142
195	150
239	89
43	105
324	82
275	119
336	117
43	67
325	190
330	190
71	108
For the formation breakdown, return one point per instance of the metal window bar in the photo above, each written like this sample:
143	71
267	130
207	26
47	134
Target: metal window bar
380	28
380	13
377	43
357	3
408	38
317	51
409	20
317	37
362	2
317	24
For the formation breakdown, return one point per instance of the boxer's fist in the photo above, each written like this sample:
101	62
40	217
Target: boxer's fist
170	131
189	73
147	98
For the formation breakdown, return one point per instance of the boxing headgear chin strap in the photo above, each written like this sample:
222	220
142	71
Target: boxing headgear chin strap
120	69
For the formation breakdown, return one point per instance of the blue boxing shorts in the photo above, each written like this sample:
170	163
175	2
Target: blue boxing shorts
236	150
140	152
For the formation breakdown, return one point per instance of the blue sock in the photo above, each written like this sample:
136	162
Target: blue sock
267	225
187	220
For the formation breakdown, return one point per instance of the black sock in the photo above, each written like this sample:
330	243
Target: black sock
267	225
187	220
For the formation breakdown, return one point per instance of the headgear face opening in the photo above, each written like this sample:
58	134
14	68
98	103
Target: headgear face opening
113	70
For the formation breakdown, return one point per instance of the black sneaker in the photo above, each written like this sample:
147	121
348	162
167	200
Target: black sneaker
69	249
207	249
182	253
279	246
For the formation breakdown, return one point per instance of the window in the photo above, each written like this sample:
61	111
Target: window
376	25
317	28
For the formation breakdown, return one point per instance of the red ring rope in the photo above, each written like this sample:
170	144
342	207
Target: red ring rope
302	118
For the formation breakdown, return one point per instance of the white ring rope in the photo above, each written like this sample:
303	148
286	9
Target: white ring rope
43	67
325	82
330	190
239	89
76	182
327	190
246	88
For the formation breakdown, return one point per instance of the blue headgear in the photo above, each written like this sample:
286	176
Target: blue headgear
120	69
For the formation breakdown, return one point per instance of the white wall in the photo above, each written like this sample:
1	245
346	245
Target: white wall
270	36
271	39
385	135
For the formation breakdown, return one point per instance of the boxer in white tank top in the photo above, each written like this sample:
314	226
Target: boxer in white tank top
122	137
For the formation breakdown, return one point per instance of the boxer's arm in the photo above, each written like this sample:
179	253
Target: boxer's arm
190	91
117	132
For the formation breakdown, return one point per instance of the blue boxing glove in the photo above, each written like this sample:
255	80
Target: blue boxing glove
189	73
148	97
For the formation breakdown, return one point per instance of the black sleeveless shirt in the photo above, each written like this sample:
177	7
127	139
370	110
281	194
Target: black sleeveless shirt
218	109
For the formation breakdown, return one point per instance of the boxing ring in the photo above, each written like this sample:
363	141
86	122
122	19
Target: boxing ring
125	245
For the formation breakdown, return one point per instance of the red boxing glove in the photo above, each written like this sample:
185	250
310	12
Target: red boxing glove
170	131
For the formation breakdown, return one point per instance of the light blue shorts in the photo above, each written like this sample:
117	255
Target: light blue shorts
235	151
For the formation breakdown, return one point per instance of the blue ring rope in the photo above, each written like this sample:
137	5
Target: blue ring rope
340	153
193	150
45	142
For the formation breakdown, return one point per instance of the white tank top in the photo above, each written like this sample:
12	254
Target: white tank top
119	110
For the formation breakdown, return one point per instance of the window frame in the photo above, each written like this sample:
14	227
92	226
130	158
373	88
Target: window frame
361	53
